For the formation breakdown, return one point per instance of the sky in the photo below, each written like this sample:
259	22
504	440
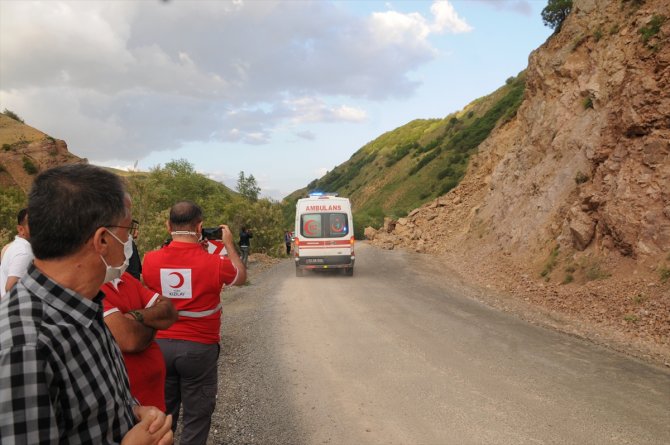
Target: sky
282	90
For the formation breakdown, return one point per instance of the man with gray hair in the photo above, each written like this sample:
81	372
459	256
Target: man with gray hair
62	375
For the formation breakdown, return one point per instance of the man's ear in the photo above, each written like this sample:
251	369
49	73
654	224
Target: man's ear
100	240
198	227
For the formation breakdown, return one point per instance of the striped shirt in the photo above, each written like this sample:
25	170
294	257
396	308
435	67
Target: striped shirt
62	378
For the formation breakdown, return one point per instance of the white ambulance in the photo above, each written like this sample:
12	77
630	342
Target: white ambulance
324	234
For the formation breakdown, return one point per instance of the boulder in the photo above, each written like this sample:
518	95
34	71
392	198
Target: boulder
582	228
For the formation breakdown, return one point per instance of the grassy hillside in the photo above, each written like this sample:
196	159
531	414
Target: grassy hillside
424	159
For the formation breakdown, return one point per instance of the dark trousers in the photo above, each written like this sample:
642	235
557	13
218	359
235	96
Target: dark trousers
190	381
244	254
288	248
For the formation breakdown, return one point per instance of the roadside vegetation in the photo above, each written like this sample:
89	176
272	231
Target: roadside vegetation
155	191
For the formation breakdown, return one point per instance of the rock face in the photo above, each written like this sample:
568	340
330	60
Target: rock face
586	162
580	177
26	151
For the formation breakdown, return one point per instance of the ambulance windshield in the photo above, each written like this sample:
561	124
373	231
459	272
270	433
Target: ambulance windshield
324	225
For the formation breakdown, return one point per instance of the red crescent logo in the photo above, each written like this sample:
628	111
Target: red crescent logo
310	227
180	277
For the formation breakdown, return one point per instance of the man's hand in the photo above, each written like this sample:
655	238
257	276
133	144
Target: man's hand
227	237
228	241
154	427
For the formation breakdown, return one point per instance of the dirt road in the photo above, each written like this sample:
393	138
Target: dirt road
400	354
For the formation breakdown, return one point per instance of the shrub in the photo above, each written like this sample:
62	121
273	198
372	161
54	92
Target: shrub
551	262
6	147
29	166
587	102
653	27
13	115
631	318
581	178
594	272
448	185
568	279
598	34
664	274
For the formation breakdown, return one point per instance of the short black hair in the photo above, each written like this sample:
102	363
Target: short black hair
67	204
185	215
21	216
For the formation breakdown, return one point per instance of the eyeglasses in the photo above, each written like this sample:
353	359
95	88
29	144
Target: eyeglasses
134	226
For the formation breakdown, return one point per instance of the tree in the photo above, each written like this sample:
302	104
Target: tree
555	12
247	187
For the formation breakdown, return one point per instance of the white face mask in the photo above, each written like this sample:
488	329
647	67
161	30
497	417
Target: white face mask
114	272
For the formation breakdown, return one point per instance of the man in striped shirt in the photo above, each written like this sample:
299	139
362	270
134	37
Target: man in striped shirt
62	378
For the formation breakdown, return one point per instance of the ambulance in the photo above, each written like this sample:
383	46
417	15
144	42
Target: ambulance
324	234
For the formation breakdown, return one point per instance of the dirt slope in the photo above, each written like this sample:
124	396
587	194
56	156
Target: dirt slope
568	205
21	146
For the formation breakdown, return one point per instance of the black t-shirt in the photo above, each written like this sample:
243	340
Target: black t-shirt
135	263
244	237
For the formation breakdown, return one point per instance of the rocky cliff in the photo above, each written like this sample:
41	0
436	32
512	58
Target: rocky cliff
26	151
568	204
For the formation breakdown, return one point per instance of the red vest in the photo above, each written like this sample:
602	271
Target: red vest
146	369
193	280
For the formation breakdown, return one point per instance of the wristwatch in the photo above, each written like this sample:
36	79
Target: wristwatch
138	316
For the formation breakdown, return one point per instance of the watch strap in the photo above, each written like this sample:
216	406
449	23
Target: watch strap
138	315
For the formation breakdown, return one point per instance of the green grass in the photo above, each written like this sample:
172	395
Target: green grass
551	263
419	161
29	166
664	274
652	28
593	271
631	318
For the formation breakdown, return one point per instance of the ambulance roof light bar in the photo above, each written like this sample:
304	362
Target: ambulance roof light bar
316	194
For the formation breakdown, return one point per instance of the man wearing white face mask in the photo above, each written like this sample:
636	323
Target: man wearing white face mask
134	313
62	376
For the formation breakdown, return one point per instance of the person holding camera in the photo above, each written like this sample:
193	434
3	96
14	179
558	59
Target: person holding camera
245	236
193	279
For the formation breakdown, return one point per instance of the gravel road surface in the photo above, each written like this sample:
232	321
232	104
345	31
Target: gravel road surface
402	353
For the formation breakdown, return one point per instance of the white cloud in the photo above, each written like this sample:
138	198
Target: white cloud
520	6
447	19
350	114
119	80
307	135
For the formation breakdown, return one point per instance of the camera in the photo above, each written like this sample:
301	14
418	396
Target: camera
214	233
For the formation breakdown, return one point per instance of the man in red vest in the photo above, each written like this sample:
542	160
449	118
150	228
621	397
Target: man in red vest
193	279
134	313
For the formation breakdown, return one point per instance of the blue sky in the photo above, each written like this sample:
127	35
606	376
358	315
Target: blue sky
281	90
